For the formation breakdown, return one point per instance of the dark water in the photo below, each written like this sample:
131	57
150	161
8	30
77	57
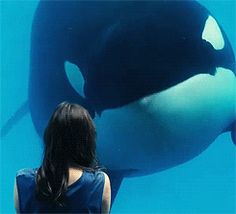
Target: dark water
204	185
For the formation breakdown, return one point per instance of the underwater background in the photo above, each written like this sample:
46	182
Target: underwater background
205	184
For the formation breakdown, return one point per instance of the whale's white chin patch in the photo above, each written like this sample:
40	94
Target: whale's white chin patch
169	127
212	34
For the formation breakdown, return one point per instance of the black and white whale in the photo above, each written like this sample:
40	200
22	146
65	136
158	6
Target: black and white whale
158	78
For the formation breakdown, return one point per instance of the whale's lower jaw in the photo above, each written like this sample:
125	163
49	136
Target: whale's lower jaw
149	162
169	128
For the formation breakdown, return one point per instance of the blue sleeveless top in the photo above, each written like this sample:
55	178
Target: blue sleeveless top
83	196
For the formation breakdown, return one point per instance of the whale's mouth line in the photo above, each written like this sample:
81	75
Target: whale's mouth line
146	100
117	96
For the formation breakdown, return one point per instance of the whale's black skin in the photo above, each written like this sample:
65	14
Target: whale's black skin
125	50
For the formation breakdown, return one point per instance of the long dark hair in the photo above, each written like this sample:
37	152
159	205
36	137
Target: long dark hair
69	140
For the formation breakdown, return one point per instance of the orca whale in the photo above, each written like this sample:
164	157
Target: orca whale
158	78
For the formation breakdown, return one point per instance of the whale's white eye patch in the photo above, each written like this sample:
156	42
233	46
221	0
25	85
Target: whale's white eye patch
212	33
75	77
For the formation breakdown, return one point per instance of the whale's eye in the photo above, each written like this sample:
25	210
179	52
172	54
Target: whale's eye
212	33
75	77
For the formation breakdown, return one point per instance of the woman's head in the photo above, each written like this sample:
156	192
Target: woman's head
69	140
70	136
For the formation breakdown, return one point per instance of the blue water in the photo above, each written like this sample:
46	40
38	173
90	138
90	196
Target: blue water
204	185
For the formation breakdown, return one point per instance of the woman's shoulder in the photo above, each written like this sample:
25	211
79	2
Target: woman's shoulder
95	171
95	174
26	172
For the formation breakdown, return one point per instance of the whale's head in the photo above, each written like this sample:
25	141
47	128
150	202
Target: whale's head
158	77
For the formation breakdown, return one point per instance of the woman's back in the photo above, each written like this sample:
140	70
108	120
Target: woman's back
59	184
84	195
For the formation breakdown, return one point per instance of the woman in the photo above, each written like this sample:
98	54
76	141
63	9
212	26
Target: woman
69	179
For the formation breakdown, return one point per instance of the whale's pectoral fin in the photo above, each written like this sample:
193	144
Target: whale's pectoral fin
116	177
20	112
